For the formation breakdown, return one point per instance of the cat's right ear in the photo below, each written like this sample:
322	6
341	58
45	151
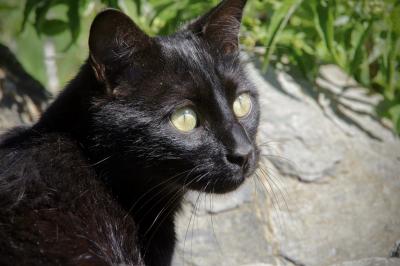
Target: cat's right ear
113	38
221	25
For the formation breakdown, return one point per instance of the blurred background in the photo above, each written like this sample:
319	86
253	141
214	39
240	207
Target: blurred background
328	72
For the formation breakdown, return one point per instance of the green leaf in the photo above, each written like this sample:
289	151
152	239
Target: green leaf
325	25
159	9
390	73
111	3
395	116
73	21
6	7
395	18
40	14
359	58
53	27
29	6
173	23
138	4
278	22
305	62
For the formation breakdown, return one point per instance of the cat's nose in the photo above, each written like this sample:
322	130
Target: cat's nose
241	148
240	155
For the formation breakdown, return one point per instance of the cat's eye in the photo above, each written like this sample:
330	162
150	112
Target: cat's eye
242	105
184	119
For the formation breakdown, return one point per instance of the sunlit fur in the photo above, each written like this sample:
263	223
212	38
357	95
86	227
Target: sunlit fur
99	179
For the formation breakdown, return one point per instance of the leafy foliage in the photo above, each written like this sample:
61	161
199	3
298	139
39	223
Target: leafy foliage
360	36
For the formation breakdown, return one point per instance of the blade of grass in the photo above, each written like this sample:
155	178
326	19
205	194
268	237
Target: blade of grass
29	6
359	58
73	21
324	22
278	22
159	9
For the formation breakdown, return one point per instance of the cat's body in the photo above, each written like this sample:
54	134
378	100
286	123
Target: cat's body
99	179
66	218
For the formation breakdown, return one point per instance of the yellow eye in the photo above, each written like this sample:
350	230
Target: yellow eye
242	105
184	119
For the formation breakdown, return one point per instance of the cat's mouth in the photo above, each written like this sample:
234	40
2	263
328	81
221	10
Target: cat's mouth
230	180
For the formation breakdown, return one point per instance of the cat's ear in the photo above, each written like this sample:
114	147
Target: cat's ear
114	37
221	25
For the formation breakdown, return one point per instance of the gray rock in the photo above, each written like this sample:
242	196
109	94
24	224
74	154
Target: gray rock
331	183
258	264
233	236
214	204
395	252
371	262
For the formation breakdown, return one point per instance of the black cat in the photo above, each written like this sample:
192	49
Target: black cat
99	179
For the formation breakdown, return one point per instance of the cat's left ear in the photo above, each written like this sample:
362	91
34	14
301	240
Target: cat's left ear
220	26
113	38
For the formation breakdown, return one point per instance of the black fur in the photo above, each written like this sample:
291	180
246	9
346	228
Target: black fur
99	179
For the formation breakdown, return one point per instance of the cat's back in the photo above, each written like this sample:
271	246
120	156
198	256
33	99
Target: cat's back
36	166
53	208
32	163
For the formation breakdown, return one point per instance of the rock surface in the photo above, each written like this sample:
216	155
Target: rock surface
334	170
371	262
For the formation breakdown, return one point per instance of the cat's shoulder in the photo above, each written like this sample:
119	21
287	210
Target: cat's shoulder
22	147
23	138
53	208
31	161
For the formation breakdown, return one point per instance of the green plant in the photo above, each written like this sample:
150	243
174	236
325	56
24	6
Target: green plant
360	36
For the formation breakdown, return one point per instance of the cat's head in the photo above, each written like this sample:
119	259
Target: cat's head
181	106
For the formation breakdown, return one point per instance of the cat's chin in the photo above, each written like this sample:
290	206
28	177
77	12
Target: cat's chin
225	185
